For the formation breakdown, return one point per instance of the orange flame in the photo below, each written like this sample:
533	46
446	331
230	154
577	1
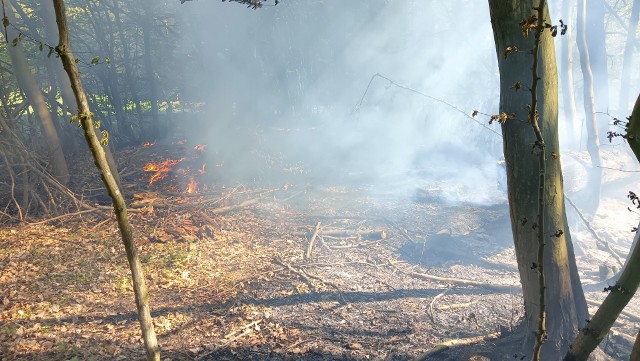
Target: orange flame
161	169
192	187
148	144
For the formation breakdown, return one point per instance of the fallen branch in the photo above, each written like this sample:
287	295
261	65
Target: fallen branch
443	346
91	210
454	280
431	314
307	278
312	241
599	241
456	306
244	330
247	203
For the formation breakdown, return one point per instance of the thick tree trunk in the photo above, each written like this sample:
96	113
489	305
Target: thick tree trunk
566	73
621	293
28	84
625	78
119	206
591	121
566	306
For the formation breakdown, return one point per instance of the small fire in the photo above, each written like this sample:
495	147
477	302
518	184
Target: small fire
192	187
201	170
148	144
161	169
200	147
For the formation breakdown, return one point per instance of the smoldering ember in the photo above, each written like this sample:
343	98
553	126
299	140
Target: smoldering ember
319	180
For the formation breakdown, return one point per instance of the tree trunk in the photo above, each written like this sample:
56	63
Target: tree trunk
628	57
595	36
126	61
110	77
28	85
140	290
621	293
148	61
566	71
591	121
635	353
566	306
51	31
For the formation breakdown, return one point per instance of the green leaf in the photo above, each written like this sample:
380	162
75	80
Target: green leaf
73	118
41	46
96	124
15	41
51	50
5	22
107	60
95	60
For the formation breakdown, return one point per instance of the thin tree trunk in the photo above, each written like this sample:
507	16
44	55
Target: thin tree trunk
635	353
148	62
628	57
591	121
566	306
28	84
126	61
621	293
595	36
566	74
51	31
119	206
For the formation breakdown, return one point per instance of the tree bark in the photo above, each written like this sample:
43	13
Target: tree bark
621	293
31	89
625	78
566	306
591	121
140	290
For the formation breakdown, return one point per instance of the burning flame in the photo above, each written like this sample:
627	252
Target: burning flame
148	144
161	169
192	187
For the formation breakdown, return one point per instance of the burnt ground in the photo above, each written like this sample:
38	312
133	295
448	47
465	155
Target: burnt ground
386	278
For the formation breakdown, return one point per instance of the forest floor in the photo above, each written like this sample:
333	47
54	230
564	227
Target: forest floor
232	275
